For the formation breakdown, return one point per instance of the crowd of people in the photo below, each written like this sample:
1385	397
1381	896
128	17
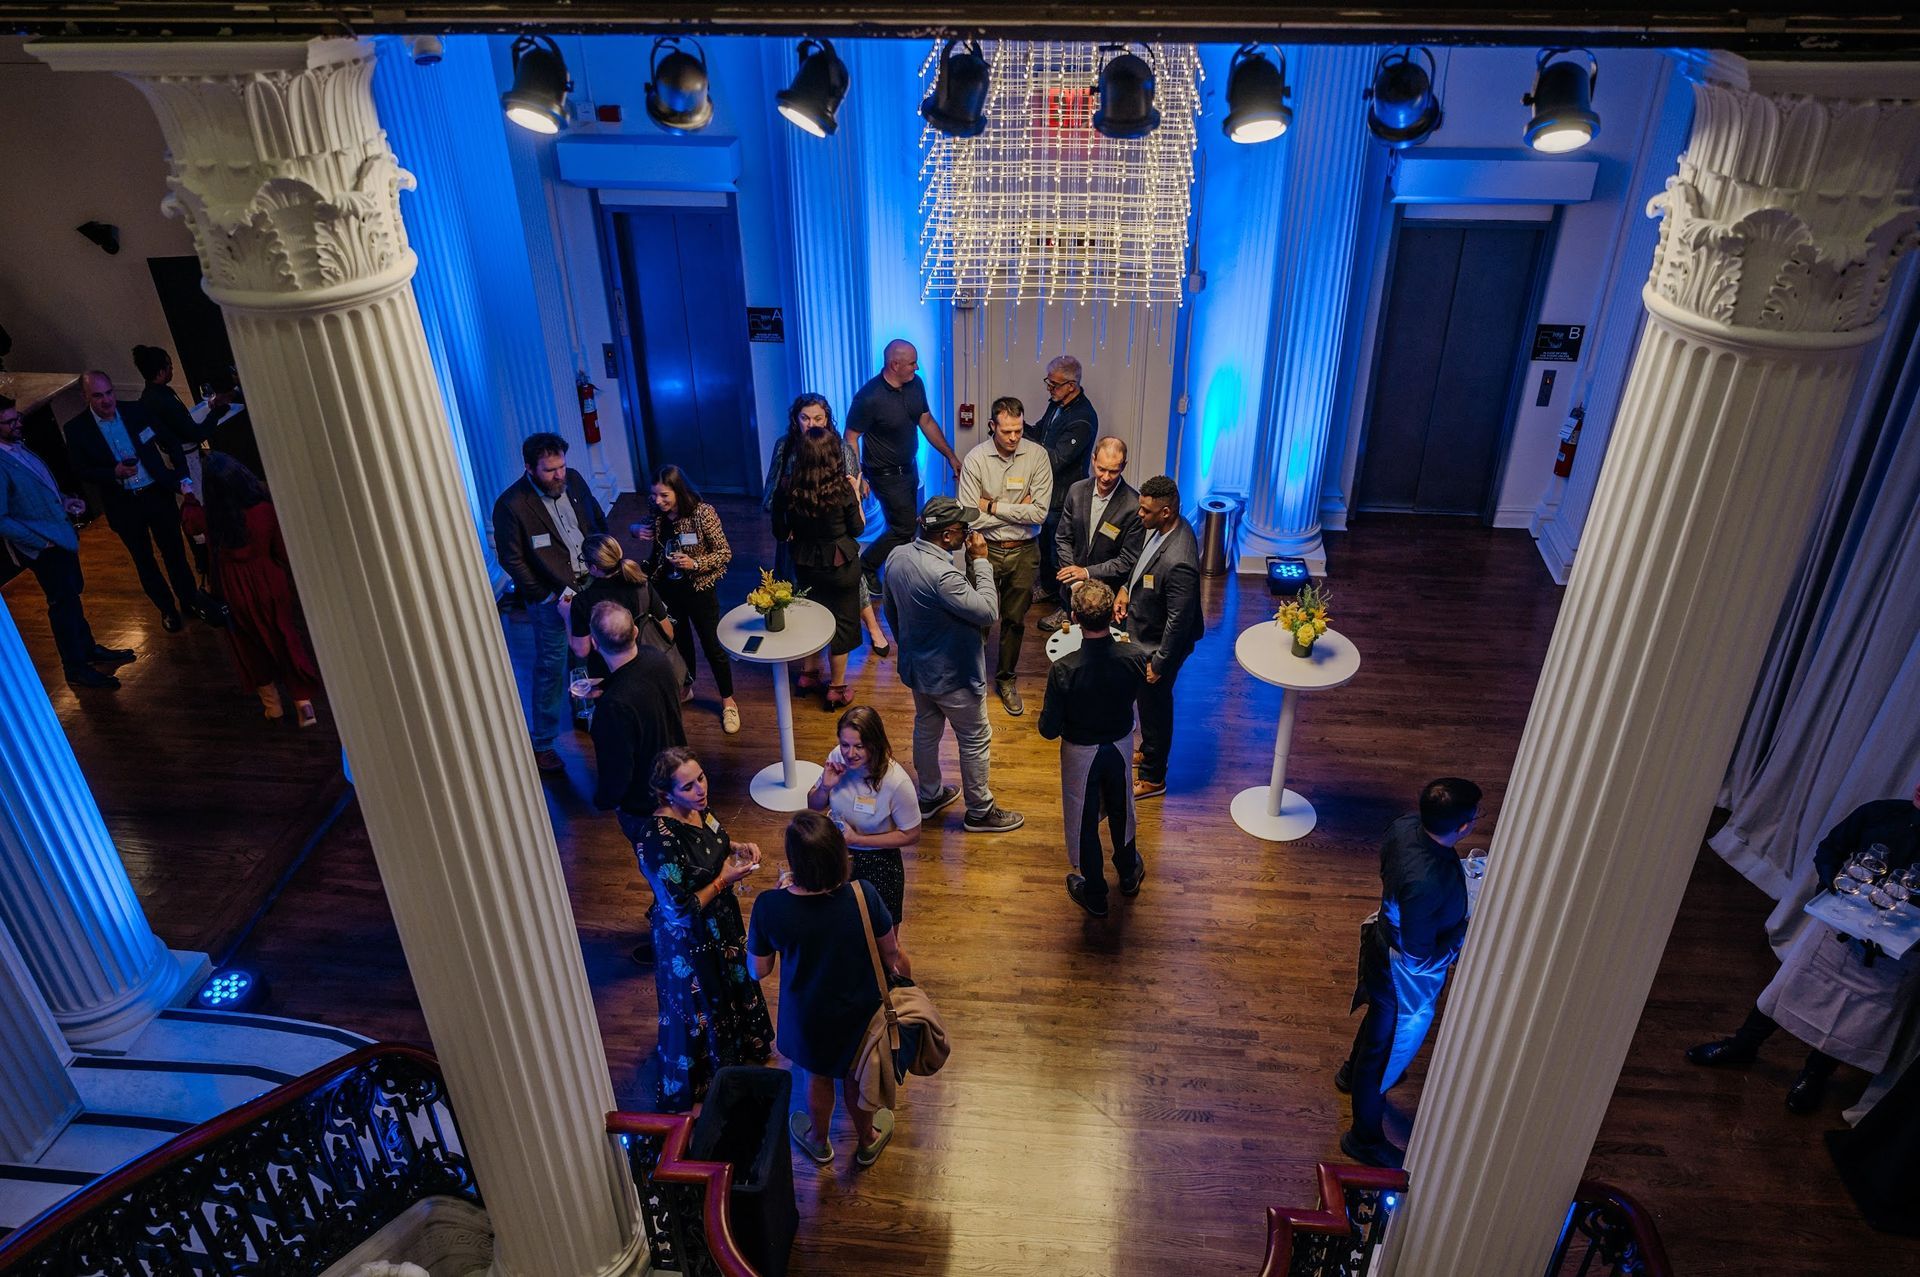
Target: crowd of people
182	491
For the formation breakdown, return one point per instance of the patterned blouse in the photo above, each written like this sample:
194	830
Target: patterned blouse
709	549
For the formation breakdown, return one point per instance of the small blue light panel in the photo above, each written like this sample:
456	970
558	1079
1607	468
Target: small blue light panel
225	991
1286	576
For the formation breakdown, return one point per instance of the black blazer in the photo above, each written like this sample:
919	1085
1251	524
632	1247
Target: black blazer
1106	558
88	449
520	515
1163	610
820	541
177	429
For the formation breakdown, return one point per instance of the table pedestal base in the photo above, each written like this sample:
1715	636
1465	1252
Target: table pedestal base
1296	819
770	790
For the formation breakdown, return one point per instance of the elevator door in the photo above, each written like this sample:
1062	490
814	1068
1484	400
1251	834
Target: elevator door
1458	306
686	319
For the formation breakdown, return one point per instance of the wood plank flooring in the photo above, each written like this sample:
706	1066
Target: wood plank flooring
1128	1095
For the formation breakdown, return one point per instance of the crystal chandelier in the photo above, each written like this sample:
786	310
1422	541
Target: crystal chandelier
1042	208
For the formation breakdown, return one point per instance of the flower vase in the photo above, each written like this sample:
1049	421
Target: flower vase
776	620
1301	649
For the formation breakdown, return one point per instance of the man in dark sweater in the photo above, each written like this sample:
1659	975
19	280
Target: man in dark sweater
1066	430
1406	950
1089	710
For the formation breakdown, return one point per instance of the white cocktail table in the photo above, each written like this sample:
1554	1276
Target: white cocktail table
1272	811
780	786
1062	641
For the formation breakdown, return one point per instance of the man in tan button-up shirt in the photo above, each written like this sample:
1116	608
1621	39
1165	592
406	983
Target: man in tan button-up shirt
1010	480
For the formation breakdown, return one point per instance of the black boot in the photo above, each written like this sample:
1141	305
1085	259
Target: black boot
1804	1095
1737	1051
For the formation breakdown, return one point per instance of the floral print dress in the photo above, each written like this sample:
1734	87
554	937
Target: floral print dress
711	1009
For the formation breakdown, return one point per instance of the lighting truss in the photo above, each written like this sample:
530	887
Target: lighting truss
1042	208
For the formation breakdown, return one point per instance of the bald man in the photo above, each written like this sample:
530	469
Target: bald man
116	447
885	423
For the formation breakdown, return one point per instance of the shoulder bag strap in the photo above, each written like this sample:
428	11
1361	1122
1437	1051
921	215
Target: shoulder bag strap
879	971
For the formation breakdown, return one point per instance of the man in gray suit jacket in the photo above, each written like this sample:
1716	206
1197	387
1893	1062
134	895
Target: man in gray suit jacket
1160	610
1099	534
35	529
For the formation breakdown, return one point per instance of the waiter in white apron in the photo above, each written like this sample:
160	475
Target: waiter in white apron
1843	997
1406	950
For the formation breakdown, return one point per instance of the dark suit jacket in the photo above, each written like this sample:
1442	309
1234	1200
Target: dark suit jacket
1163	611
177	429
94	459
540	572
1080	544
636	716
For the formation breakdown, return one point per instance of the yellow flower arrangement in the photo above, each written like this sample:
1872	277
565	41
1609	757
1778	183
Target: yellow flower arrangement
1304	617
773	595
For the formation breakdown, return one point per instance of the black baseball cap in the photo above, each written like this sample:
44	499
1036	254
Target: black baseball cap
940	512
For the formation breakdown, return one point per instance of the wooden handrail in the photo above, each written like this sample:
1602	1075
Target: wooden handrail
189	1144
1329	1216
1650	1253
675	1131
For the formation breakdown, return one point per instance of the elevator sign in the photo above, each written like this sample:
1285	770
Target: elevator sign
1557	343
765	323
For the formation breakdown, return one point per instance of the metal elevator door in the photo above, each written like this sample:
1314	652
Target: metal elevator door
1458	304
686	311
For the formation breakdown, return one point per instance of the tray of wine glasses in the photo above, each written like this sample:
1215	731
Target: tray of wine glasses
1872	902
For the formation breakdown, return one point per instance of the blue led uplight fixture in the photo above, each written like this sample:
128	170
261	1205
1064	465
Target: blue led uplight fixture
231	989
1286	576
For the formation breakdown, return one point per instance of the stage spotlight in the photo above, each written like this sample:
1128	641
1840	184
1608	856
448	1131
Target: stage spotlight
538	98
677	90
958	104
1562	102
1257	109
813	99
1404	109
1126	98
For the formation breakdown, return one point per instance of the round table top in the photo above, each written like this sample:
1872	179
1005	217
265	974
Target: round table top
809	628
1266	652
1062	641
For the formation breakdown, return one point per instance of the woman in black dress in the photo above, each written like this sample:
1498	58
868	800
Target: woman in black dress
711	1009
807	411
818	509
613	578
828	989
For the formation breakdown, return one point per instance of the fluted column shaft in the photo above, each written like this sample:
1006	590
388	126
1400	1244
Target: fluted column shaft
280	166
64	893
1779	237
1320	220
40	1097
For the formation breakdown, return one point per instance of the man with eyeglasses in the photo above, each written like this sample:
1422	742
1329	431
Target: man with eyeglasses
1066	430
34	525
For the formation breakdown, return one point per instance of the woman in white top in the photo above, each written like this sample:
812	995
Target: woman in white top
872	799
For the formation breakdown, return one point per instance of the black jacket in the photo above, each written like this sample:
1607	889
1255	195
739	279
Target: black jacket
1163	610
1894	823
1067	434
635	717
1091	691
93	458
820	541
177	428
1106	557
520	515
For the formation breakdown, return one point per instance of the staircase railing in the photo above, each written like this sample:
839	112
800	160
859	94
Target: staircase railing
1608	1234
684	1204
287	1183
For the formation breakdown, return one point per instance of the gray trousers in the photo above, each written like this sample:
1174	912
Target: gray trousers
966	709
1097	781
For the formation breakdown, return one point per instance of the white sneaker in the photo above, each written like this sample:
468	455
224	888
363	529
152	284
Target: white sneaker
730	720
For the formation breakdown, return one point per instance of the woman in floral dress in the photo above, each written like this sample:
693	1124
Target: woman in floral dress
711	1009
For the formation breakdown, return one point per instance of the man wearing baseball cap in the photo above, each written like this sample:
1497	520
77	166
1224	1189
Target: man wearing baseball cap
940	616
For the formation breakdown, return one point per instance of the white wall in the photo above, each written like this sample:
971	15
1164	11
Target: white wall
79	148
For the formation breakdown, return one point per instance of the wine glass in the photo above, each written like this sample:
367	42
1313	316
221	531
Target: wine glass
1886	897
738	860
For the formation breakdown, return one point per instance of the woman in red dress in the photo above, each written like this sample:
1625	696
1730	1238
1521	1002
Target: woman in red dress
251	574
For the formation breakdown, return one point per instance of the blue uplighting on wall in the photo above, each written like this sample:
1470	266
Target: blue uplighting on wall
233	989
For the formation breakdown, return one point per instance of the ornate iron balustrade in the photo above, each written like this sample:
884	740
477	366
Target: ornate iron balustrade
282	1186
1338	1237
683	1203
1608	1234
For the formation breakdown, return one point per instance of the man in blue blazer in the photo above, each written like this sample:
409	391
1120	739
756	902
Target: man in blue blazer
117	447
1160	610
38	537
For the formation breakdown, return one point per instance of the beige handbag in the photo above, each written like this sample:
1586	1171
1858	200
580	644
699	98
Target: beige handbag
906	1015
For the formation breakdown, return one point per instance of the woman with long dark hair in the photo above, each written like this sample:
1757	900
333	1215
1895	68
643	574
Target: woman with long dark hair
817	509
810	410
871	797
251	574
690	555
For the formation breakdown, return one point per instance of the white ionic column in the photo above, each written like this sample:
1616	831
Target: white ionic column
39	1097
1320	218
1778	241
279	165
64	893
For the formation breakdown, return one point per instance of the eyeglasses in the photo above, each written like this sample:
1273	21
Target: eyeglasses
1057	385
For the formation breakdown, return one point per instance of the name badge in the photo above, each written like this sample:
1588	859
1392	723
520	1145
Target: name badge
712	824
1108	530
1015	481
867	805
541	540
146	436
689	539
1147	580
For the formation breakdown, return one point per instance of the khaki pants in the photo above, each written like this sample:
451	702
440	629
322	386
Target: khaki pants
1016	565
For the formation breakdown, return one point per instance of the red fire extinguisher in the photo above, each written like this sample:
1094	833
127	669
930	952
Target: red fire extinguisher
589	410
1569	442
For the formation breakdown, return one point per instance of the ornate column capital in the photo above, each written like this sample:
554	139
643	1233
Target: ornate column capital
277	163
1792	203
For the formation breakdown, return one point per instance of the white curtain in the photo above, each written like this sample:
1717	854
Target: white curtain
1835	718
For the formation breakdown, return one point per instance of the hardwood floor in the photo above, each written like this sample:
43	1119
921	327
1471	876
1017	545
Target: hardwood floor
1127	1095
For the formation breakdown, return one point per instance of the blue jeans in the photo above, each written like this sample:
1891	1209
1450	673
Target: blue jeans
550	661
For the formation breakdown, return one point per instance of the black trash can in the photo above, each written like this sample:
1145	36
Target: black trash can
744	1124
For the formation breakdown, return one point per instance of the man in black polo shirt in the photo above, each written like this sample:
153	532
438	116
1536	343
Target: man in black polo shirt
1089	709
884	424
